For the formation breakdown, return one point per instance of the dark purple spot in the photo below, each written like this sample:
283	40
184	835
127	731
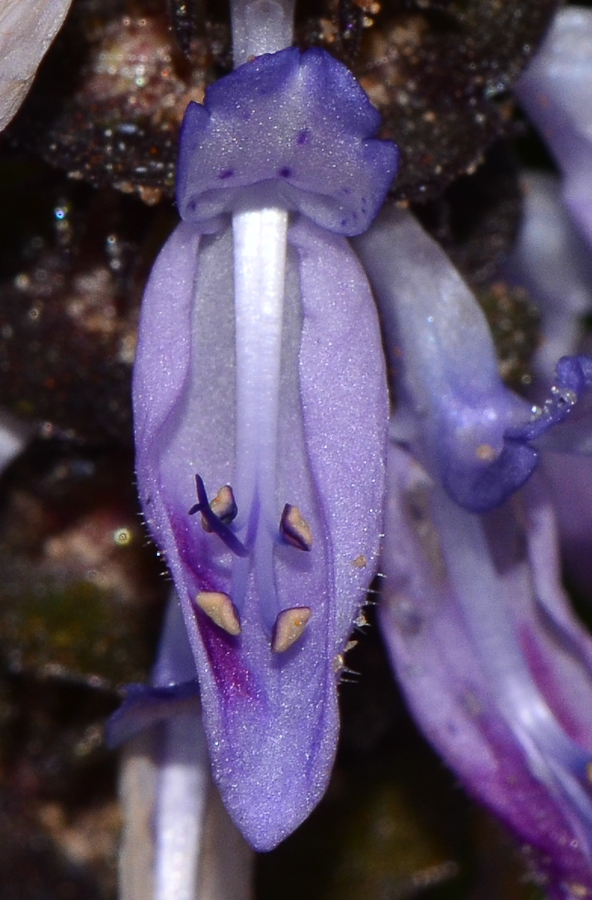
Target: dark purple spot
343	223
346	190
303	137
228	668
226	173
285	172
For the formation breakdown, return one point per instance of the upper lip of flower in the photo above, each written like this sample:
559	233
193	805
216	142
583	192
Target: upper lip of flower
315	152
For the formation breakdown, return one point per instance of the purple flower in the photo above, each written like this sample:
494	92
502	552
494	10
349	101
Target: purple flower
494	665
261	415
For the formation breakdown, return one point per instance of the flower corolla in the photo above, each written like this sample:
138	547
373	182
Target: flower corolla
261	413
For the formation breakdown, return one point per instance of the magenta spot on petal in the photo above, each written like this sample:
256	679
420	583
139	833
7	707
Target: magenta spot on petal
285	172
225	659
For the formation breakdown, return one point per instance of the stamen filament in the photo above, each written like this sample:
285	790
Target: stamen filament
260	26
260	238
214	523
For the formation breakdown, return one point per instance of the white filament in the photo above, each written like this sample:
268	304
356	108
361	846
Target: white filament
260	26
259	284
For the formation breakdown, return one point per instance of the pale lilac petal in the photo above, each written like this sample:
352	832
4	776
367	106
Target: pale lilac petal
271	719
452	408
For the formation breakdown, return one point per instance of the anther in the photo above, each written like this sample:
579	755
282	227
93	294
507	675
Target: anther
485	453
223	506
220	609
294	529
289	627
214	522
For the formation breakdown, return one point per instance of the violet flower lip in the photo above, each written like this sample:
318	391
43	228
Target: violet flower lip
261	414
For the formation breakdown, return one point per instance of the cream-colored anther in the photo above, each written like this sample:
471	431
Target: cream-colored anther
485	453
223	505
289	627
220	609
295	529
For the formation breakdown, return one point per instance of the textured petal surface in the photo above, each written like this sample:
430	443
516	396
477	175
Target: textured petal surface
271	718
495	667
27	28
295	128
453	409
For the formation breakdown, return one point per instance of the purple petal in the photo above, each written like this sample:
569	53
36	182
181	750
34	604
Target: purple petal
289	129
271	718
494	665
453	408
